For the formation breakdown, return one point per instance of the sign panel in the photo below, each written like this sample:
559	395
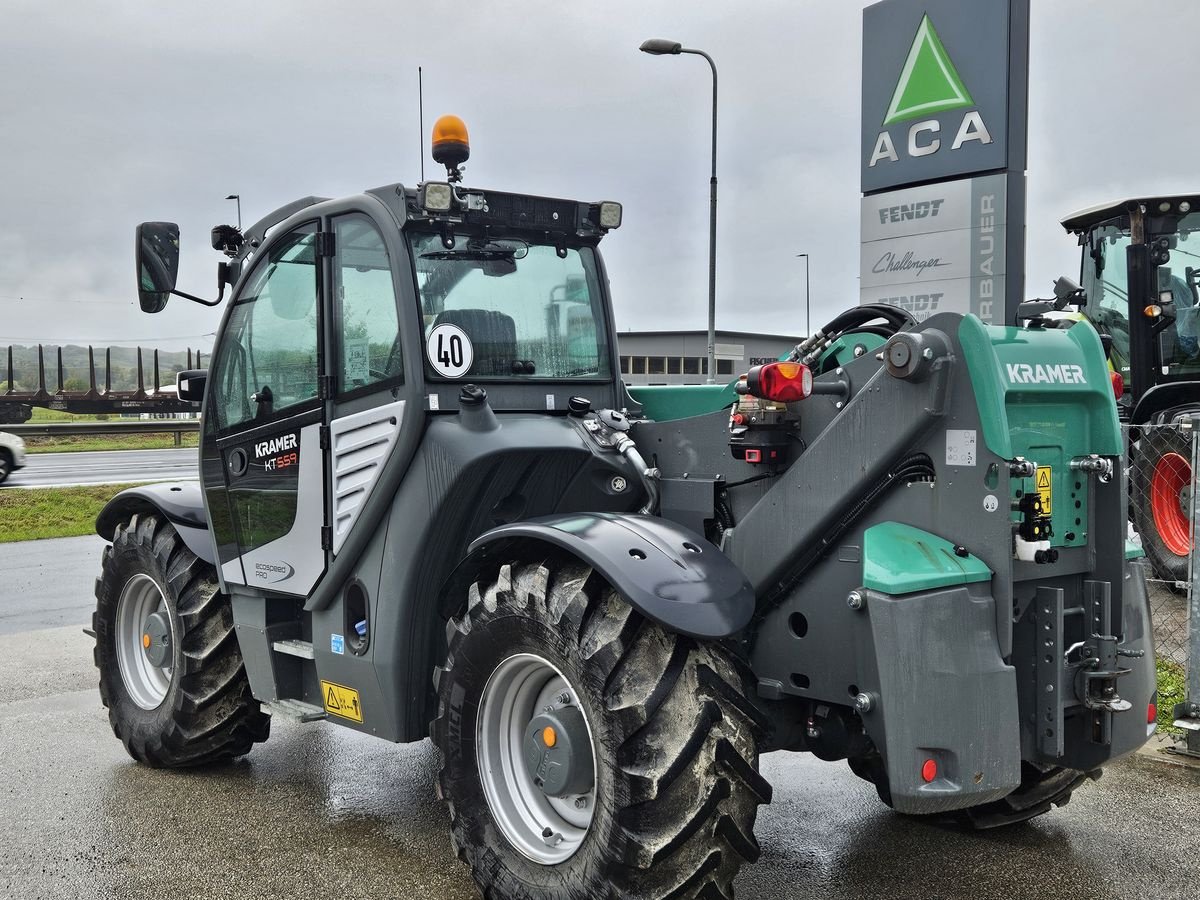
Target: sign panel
937	92
943	155
937	248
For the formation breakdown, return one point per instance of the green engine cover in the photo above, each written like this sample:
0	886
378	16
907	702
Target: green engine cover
901	559
666	402
1045	395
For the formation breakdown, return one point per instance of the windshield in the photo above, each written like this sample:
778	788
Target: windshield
500	308
1178	294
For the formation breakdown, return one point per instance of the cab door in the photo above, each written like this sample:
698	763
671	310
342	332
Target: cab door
261	458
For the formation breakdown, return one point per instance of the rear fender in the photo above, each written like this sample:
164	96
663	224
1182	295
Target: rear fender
180	503
665	571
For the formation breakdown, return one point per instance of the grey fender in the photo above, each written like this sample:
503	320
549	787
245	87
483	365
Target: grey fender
666	572
180	503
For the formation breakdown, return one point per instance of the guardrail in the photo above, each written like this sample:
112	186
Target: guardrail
177	427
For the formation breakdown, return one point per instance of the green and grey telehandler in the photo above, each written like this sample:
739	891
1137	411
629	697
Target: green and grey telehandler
1140	272
428	506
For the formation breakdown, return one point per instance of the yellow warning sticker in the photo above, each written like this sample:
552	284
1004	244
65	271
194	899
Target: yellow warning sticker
1044	488
341	701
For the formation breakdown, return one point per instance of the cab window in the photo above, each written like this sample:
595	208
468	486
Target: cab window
365	317
528	310
267	361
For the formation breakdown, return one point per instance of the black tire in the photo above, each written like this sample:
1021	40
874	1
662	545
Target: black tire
1040	789
677	785
5	465
1163	455
207	714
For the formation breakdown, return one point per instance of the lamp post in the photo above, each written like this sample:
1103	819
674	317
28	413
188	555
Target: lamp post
238	198
807	313
659	47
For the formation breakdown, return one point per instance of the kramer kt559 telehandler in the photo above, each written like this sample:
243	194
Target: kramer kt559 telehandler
429	507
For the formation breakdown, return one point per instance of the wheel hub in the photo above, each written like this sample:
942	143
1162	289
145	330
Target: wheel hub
142	634
536	757
156	640
558	752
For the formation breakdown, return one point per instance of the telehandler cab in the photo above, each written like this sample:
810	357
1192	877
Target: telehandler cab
428	506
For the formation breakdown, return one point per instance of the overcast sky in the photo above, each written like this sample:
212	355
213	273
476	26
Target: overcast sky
124	111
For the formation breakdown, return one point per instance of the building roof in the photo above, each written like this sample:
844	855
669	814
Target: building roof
720	333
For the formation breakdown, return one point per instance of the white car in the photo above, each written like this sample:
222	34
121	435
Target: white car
12	454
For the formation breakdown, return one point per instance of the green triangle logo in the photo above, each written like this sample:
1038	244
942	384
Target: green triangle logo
929	83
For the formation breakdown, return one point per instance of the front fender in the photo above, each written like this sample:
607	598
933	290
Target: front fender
665	571
179	503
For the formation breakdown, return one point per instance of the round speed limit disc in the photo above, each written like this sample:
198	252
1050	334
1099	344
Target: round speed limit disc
449	350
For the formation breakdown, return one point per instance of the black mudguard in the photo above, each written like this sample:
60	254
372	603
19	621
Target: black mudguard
180	503
665	571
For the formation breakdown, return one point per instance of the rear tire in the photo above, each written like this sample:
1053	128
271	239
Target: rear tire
1039	790
1164	478
5	465
197	709
676	787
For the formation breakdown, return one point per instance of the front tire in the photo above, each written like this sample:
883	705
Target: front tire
171	672
674	740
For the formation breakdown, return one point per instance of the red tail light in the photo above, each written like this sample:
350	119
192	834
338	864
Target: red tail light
1152	713
780	381
1118	384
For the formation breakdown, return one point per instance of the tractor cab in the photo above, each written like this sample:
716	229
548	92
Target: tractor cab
1140	270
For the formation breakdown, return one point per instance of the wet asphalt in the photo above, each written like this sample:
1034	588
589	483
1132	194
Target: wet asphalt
321	812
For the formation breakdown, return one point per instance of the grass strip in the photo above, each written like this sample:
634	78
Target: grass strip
79	443
52	512
1172	689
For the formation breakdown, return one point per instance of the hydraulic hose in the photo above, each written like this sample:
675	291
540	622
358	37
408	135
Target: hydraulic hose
857	318
649	476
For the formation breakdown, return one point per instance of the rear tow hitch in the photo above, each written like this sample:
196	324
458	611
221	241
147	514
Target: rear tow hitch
1096	680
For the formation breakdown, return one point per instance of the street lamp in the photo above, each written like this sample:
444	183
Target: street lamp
807	316
659	47
238	198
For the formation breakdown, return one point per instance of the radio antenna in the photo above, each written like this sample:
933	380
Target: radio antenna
421	119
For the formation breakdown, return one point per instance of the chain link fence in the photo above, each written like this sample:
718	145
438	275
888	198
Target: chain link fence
1161	473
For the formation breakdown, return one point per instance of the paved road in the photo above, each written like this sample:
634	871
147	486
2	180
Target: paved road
45	584
105	467
322	812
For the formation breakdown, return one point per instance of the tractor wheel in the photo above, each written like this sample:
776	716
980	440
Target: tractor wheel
589	753
1163	500
1039	790
171	672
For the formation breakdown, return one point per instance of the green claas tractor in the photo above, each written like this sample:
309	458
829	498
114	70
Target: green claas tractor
428	507
1140	273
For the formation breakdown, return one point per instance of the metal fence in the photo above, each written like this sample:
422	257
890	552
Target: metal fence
1164	508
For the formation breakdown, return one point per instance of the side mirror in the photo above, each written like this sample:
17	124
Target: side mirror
190	384
156	246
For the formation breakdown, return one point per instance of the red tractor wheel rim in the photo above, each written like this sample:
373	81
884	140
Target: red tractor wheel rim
1172	475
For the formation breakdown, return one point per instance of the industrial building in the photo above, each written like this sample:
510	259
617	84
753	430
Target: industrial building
681	357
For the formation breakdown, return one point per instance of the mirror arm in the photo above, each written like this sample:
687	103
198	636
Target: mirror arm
201	300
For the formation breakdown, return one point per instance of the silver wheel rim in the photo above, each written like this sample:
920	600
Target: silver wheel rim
547	830
145	682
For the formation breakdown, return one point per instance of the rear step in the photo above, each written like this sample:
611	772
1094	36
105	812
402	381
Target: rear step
293	709
302	649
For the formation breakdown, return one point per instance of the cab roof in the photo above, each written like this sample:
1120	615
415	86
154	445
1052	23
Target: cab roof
1094	215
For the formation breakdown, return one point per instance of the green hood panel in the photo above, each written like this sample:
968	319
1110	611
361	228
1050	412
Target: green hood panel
666	402
900	559
1037	381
